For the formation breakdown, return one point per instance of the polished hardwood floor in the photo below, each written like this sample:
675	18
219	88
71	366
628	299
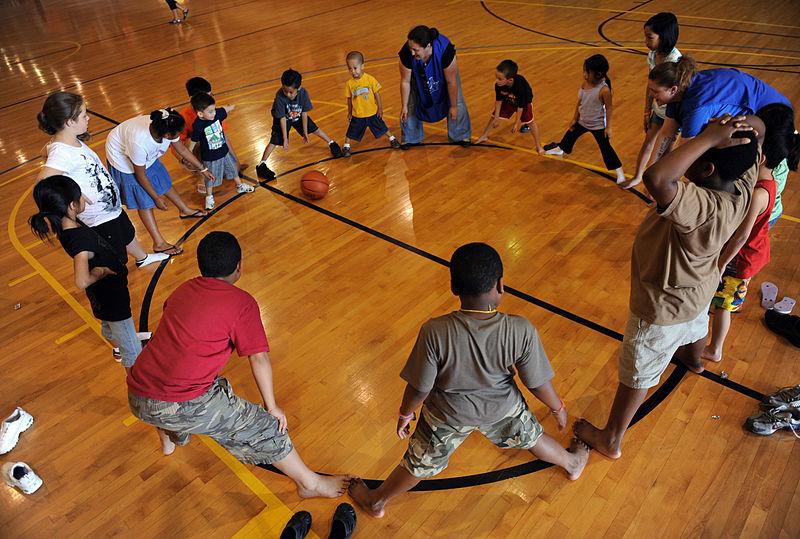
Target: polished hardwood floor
342	304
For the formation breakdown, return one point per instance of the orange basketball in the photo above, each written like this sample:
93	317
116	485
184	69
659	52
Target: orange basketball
314	185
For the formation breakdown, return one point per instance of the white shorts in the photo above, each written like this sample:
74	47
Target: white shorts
648	348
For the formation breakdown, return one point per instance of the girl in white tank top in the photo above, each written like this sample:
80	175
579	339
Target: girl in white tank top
593	115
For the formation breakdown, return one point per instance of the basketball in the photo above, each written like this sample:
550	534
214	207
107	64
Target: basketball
314	185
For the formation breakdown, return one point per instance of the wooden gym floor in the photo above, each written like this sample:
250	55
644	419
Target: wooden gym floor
345	283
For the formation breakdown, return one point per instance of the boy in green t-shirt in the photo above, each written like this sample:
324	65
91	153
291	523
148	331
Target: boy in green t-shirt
364	107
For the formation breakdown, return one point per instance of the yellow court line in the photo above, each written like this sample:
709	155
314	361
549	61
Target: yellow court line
130	420
637	12
18	176
15	282
72	334
33	244
790	218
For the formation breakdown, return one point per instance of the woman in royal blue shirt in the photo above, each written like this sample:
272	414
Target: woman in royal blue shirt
430	87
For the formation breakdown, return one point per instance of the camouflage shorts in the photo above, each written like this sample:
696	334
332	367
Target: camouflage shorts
243	428
433	441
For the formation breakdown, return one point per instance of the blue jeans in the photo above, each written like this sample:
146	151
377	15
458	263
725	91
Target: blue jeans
457	131
123	334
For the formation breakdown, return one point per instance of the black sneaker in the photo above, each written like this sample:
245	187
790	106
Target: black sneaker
394	143
768	422
263	172
346	151
525	129
409	145
336	151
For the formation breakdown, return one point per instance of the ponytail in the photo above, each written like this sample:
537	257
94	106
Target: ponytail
671	74
167	121
422	35
53	196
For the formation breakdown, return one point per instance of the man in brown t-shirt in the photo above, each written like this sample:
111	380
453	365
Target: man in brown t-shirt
674	272
461	371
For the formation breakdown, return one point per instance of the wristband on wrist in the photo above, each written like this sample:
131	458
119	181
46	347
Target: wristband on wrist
409	416
556	412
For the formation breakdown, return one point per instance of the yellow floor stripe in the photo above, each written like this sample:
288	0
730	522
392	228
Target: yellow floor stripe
72	334
130	420
790	218
15	282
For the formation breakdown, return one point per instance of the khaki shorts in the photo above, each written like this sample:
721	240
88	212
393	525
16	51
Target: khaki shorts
648	348
433	441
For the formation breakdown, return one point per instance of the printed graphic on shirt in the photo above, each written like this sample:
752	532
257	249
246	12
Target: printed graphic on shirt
361	91
214	136
433	84
293	111
509	96
104	186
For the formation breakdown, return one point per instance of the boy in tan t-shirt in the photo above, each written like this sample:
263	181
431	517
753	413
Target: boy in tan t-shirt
461	371
674	271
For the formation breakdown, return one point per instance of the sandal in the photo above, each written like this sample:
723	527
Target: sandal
172	250
344	522
769	293
197	214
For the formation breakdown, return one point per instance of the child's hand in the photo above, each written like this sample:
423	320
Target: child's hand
720	130
561	418
286	145
607	132
516	127
230	108
403	427
101	271
305	139
161	204
379	114
278	414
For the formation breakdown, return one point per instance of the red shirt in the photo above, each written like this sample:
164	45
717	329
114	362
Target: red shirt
204	320
754	254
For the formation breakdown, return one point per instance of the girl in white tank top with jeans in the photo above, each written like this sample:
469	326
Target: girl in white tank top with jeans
593	115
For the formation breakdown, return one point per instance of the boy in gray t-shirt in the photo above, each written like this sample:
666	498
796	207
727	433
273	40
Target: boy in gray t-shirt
290	111
461	370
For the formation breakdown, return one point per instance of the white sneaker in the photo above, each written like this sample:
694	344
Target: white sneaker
20	475
151	258
209	202
245	188
18	422
554	151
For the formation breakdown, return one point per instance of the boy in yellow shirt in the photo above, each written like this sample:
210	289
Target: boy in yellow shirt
364	107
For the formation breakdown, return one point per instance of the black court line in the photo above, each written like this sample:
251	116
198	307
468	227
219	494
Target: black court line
103	117
181	53
648	406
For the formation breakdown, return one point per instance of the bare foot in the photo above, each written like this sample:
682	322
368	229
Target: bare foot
696	366
581	452
328	486
362	495
597	439
630	183
167	445
711	355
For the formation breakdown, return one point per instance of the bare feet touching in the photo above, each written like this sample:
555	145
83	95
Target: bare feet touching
327	486
597	439
364	497
633	182
580	452
712	355
167	445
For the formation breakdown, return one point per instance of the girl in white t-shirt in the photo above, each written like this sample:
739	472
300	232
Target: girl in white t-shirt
660	37
133	150
64	117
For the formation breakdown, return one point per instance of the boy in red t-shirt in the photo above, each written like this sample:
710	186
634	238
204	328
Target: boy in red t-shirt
194	86
750	245
175	383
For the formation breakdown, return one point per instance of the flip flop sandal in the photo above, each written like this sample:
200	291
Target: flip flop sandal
170	248
769	293
344	522
117	354
198	214
784	306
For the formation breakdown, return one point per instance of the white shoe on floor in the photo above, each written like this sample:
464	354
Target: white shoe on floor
245	188
151	258
554	151
15	424
210	202
20	475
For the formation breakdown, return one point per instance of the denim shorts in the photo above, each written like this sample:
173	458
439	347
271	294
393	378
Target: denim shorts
123	334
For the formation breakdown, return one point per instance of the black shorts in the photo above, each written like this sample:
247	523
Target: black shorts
118	232
358	126
277	135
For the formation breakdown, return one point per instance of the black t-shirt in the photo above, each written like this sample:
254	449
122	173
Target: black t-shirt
518	95
406	58
109	296
211	137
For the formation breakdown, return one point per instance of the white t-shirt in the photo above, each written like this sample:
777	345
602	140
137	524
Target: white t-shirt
673	56
84	166
130	143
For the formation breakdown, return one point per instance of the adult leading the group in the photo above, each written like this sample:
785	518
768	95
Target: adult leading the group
430	87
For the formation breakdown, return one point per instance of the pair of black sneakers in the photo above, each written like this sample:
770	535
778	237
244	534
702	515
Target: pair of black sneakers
264	172
342	527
